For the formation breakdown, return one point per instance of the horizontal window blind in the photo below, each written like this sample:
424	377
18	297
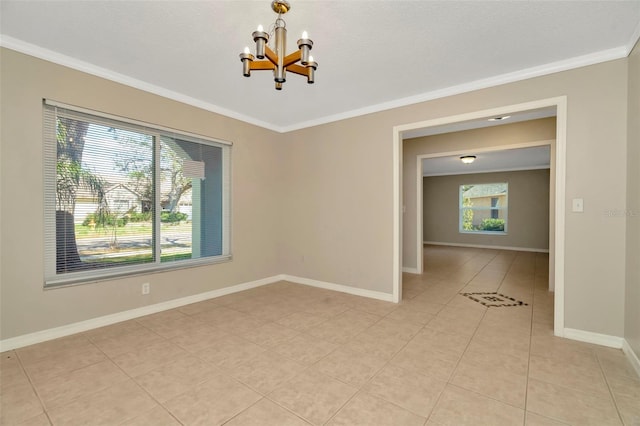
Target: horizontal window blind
124	197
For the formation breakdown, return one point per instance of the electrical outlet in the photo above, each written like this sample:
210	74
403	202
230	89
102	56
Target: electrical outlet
146	288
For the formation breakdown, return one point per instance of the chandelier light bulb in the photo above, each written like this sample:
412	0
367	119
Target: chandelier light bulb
275	58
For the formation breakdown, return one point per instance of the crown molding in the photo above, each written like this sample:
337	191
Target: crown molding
525	74
546	69
78	65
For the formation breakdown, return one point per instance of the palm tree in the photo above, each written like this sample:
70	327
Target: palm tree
70	177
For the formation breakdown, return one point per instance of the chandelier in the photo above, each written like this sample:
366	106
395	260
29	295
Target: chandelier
278	60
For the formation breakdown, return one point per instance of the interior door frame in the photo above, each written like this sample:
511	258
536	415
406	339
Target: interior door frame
556	249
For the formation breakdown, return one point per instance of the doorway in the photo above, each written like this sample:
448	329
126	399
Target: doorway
558	167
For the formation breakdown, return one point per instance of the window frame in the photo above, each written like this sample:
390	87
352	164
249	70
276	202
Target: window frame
489	209
53	279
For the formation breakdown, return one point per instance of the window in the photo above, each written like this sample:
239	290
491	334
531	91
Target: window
483	208
123	197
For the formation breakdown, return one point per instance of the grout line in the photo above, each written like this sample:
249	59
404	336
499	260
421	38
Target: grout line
613	398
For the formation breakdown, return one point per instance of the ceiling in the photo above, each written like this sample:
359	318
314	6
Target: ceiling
372	55
537	157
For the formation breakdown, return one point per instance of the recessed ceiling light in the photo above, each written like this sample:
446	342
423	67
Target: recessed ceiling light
468	159
502	117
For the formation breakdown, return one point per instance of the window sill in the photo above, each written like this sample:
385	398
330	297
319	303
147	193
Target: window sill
484	232
88	277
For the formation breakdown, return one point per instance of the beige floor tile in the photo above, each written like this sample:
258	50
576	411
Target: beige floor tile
230	352
570	406
171	326
506	343
624	386
568	374
483	354
163	317
39	420
388	327
313	396
61	362
113	405
412	313
447	343
375	307
266	413
350	366
305	349
461	407
326	308
213	361
493	381
274	311
196	308
11	371
367	410
67	387
429	362
629	408
371	343
559	348
615	363
212	402
157	416
18	403
407	389
53	348
335	331
266	372
532	419
199	337
148	358
126	341
301	321
270	335
463	327
177	377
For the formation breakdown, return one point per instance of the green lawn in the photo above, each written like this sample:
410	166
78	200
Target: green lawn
131	228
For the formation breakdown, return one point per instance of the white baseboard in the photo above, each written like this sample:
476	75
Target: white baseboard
631	356
595	338
387	297
78	327
410	270
535	250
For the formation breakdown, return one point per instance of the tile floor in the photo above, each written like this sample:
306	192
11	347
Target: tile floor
287	354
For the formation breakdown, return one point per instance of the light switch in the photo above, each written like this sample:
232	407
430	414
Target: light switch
578	205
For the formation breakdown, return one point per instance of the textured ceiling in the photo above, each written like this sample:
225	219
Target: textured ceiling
372	55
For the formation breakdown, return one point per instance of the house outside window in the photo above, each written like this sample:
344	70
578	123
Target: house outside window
123	197
484	208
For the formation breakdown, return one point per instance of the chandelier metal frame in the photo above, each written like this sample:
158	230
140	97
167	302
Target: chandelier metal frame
277	60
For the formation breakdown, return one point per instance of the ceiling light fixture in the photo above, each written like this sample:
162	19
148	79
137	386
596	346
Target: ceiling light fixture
503	117
468	159
278	60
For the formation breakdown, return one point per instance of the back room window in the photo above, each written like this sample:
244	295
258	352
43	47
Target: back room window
484	208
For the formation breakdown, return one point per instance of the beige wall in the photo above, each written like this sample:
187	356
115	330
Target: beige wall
25	306
632	309
316	203
338	210
527	217
499	136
